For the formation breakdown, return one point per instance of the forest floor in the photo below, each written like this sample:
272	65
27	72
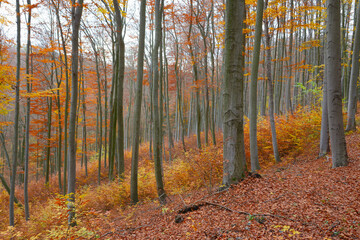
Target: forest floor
300	198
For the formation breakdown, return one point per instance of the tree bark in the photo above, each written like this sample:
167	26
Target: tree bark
16	117
351	123
120	59
27	126
324	132
253	88
156	130
234	149
76	12
271	91
336	125
138	99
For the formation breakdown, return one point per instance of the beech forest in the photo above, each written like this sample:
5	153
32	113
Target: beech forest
179	119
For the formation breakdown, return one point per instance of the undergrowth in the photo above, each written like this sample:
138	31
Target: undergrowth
187	171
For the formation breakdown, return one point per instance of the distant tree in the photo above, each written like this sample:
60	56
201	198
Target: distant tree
76	12
351	123
156	126
234	150
138	99
253	87
27	126
324	132
333	76
16	114
271	88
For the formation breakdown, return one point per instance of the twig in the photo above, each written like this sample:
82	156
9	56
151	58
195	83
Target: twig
333	226
182	200
256	215
274	199
105	234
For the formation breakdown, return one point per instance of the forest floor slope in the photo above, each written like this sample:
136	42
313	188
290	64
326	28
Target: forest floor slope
300	198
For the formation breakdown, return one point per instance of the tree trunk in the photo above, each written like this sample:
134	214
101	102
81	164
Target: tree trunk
234	149
253	88
120	60
16	120
76	13
324	132
48	147
333	74
27	126
137	113
156	130
351	123
271	90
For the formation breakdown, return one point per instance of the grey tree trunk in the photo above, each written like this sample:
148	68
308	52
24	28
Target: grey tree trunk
156	130
351	124
288	84
333	74
66	97
76	12
16	120
27	126
324	132
195	72
271	91
253	88
234	149
48	147
137	113
120	59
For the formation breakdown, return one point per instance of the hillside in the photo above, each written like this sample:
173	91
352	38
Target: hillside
302	198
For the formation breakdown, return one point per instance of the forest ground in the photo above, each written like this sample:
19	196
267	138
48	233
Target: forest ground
300	198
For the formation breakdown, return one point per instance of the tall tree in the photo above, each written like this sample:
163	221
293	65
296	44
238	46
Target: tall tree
119	75
156	126
27	126
351	123
333	76
271	89
234	150
138	99
16	116
76	12
324	132
253	87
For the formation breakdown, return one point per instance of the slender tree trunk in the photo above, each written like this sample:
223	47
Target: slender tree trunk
253	88
333	76
138	98
288	84
48	148
156	130
197	87
120	58
84	126
16	120
351	123
66	96
324	133
27	126
271	90
167	99
76	12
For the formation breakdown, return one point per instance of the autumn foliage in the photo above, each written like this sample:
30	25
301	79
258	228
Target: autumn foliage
188	171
